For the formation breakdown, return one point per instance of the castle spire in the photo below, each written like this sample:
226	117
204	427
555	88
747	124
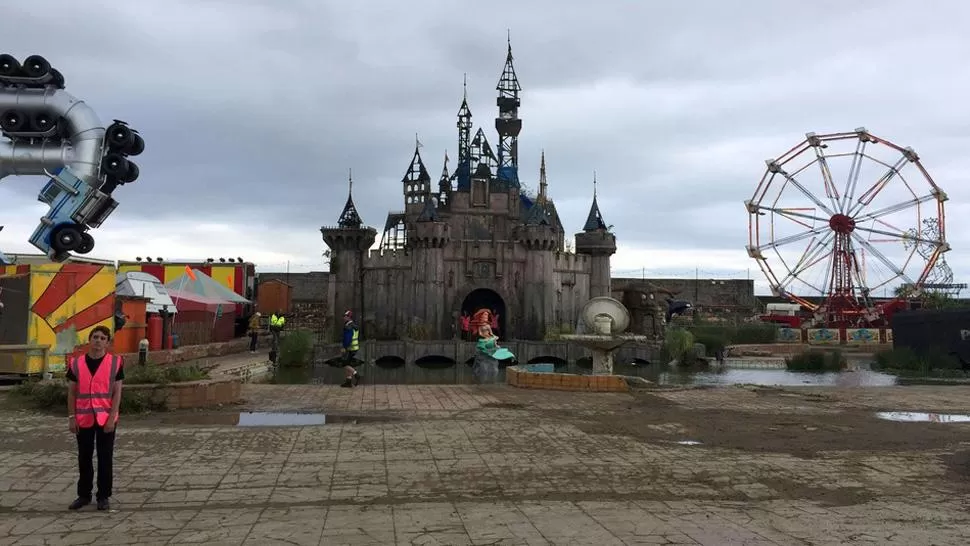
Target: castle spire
508	123
542	178
349	218
463	172
444	184
444	168
416	181
540	213
594	221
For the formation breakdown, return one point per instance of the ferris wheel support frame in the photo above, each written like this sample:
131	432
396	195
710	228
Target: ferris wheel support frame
847	300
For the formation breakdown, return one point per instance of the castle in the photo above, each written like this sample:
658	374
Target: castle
475	239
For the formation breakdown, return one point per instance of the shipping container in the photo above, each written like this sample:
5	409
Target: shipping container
48	311
274	295
923	330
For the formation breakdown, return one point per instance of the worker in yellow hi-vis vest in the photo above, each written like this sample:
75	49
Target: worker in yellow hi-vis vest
350	346
276	323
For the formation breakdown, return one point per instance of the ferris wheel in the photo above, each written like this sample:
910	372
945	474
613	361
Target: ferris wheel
849	225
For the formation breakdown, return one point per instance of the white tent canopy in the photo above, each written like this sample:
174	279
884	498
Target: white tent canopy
144	285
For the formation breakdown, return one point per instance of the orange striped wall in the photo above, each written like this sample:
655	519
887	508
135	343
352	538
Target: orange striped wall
13	269
67	300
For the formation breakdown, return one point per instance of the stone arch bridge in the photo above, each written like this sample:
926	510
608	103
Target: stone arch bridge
411	352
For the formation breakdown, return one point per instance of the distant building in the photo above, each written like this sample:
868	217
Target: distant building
716	295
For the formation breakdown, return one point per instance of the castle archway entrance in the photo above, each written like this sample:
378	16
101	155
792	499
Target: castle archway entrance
484	298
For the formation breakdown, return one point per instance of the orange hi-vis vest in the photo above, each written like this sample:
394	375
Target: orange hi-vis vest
93	401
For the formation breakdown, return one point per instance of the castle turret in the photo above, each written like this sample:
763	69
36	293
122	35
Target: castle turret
599	244
416	183
464	174
482	162
349	242
540	237
508	123
428	237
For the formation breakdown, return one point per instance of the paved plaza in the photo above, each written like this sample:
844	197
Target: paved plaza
459	465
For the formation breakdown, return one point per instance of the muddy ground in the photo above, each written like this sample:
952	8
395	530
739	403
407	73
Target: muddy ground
800	433
498	465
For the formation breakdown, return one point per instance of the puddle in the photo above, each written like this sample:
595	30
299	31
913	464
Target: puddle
270	419
921	417
688	443
776	378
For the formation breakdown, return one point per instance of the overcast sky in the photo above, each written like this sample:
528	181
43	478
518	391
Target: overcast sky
254	110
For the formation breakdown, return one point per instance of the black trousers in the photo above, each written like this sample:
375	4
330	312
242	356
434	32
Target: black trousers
87	439
253	340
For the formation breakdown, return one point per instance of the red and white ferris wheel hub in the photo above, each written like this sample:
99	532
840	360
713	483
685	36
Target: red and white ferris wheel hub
848	225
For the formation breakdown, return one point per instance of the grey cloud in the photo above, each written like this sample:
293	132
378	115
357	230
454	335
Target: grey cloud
253	111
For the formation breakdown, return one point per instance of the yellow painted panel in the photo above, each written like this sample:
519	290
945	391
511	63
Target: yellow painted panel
28	362
49	267
93	293
87	306
35	365
173	272
129	268
223	274
40	279
41	329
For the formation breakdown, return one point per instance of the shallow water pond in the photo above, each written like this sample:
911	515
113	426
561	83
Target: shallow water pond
461	374
775	378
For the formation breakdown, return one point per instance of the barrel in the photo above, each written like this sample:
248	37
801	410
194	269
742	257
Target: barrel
154	332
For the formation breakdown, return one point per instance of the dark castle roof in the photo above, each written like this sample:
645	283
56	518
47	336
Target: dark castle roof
594	222
350	218
538	215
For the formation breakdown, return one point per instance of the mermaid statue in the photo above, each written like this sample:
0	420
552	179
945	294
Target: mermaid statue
488	353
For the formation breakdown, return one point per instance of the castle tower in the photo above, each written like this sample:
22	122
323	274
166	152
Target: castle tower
508	123
429	236
463	173
540	237
481	162
349	242
416	183
599	244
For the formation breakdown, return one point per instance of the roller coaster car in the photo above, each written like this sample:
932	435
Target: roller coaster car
35	72
75	207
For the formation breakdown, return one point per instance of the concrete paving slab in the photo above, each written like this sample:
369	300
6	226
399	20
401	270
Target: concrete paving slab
495	465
